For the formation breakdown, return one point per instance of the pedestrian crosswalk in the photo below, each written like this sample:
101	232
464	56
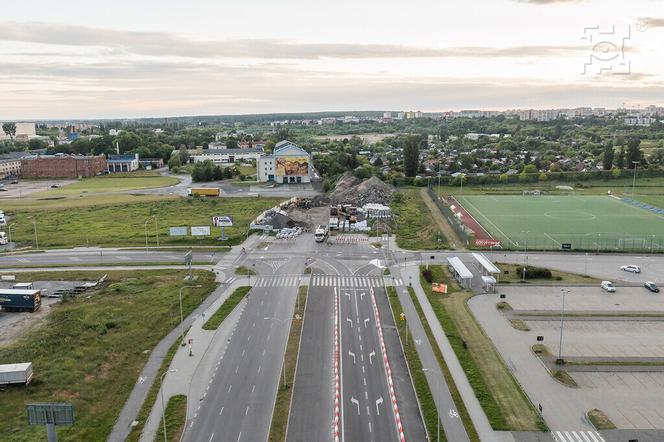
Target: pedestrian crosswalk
277	281
577	436
346	281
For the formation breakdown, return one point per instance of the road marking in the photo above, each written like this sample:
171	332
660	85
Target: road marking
364	380
229	388
221	411
237	369
379	401
259	368
239	436
356	402
351	322
366	320
372	354
246	411
369	427
211	436
350	353
366	396
453	413
253	387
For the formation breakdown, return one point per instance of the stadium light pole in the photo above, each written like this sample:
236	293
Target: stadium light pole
163	408
559	361
438	404
635	163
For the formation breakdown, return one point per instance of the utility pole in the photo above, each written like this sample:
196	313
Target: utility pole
34	223
181	315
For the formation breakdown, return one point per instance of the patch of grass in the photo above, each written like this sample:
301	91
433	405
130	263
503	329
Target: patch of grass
541	350
504	402
565	378
262	245
284	394
242	270
386	272
376	245
600	420
502	305
414	225
520	325
307	270
176	414
91	349
226	308
456	396
125	225
513	273
111	183
424	395
36	204
146	408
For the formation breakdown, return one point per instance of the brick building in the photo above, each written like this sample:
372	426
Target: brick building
63	166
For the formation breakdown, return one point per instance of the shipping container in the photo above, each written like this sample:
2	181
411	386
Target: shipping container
203	191
15	300
16	373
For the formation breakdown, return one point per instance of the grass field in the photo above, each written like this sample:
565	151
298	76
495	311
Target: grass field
545	222
111	183
176	414
414	225
226	308
90	350
124	225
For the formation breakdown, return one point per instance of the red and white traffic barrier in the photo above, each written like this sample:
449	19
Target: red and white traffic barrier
337	381
388	370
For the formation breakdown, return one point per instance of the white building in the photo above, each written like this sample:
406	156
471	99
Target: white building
639	120
228	156
23	131
287	164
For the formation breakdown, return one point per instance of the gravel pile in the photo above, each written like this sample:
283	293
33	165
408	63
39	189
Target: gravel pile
349	190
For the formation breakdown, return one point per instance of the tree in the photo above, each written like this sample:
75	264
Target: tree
634	154
608	156
232	143
10	130
411	156
620	159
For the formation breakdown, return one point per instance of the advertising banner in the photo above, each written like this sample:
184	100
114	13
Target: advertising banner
200	231
292	166
222	221
177	231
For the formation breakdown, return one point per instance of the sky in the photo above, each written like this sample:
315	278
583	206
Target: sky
153	58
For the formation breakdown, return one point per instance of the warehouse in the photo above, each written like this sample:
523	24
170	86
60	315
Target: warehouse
63	166
288	163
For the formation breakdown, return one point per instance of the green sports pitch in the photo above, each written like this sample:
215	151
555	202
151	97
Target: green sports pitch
601	223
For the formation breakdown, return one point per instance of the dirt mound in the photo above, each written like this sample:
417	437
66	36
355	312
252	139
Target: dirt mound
358	194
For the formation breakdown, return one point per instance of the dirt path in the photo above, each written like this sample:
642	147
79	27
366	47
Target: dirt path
452	237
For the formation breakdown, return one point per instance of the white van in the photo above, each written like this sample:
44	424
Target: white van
3	238
3	221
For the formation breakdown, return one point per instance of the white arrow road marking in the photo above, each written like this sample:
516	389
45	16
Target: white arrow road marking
356	402
347	294
351	354
373	353
351	322
365	322
453	413
361	295
379	401
418	341
141	380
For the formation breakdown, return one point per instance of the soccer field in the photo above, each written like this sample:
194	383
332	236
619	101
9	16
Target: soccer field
548	222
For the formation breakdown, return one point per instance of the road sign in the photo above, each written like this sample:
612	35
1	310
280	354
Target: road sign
503	296
177	231
200	231
50	414
566	246
540	338
222	221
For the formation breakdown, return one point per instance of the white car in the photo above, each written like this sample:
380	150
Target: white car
3	221
631	268
608	286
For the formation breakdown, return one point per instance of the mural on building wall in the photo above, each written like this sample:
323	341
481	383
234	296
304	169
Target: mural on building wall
292	165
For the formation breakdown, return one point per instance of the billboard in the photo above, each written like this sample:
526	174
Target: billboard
177	231
292	166
222	221
200	231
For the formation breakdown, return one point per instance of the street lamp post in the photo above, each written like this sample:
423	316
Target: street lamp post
525	242
34	223
11	246
156	228
181	315
267	318
635	163
438	404
163	407
562	324
145	226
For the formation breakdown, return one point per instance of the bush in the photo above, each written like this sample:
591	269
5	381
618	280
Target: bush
536	273
426	274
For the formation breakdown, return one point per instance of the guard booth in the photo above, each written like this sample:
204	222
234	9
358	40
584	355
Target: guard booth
488	270
461	273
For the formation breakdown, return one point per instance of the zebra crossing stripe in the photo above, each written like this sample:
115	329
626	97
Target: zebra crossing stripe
577	436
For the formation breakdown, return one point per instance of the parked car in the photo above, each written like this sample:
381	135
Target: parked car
651	286
14	182
55	186
608	286
631	268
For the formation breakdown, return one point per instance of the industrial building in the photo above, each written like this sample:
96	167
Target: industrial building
122	163
228	156
288	163
63	166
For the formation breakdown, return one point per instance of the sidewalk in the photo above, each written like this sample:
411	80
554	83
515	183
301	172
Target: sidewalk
480	421
207	348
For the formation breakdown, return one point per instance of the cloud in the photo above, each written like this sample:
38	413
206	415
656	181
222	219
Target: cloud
170	44
652	22
548	2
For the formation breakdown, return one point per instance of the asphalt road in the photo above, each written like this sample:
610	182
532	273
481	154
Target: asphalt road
239	403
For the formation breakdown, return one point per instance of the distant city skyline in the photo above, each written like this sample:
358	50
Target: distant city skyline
169	58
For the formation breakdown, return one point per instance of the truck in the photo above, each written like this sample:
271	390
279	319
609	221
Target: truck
320	234
203	191
16	373
20	300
